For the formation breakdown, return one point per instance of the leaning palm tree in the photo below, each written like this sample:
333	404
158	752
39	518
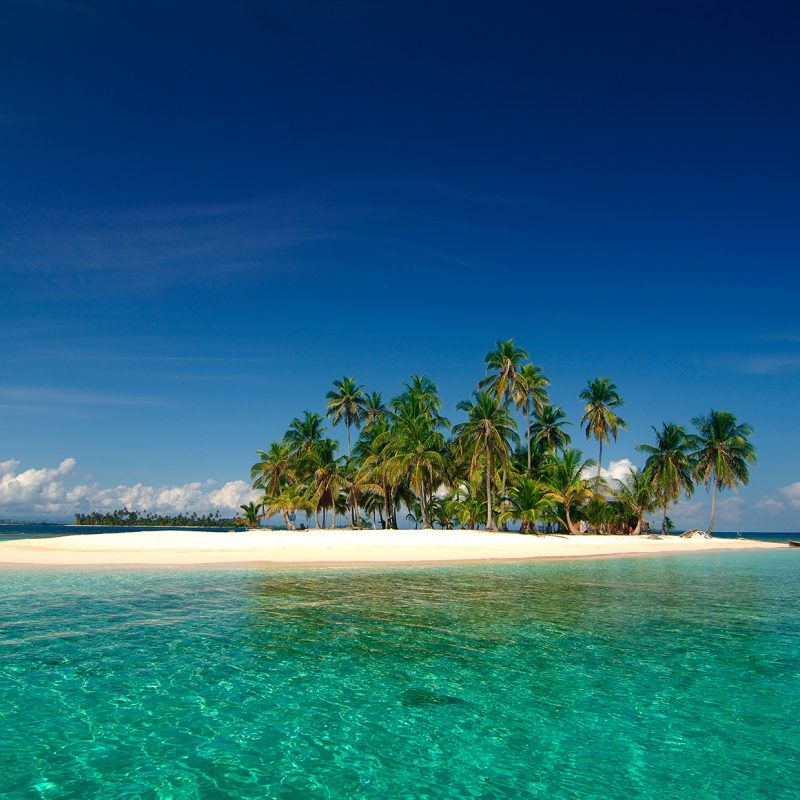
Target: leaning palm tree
547	428
638	496
486	438
722	453
566	483
530	394
599	418
669	466
529	502
346	403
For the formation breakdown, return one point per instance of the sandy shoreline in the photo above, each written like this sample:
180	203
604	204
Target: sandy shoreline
339	547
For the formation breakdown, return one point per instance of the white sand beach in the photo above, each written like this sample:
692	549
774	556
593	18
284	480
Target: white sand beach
343	547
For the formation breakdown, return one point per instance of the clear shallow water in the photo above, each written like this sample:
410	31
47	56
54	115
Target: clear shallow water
622	678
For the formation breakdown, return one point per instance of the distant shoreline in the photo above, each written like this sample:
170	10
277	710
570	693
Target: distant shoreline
166	548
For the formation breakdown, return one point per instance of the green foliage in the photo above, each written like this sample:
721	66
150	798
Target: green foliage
404	462
123	517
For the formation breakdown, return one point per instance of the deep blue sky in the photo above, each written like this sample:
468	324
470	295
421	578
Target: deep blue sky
209	210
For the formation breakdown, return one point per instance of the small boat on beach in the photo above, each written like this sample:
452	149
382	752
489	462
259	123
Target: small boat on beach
794	543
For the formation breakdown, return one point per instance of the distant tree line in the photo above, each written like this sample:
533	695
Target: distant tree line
124	517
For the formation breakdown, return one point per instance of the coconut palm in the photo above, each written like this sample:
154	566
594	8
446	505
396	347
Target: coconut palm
418	456
251	513
529	502
599	418
421	396
305	433
722	453
669	466
503	365
566	483
637	495
290	500
486	438
346	403
275	467
374	409
530	394
547	428
327	478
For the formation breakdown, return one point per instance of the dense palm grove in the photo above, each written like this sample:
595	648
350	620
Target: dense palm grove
510	462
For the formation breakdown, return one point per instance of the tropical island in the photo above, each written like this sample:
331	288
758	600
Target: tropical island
503	483
510	462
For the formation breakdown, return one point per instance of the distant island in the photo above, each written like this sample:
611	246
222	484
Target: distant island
124	518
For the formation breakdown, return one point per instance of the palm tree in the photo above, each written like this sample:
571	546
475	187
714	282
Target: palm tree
722	452
669	466
251	513
601	398
529	502
327	478
304	434
291	500
346	403
421	396
486	438
418	456
530	394
566	484
373	449
275	467
638	496
374	409
547	428
503	365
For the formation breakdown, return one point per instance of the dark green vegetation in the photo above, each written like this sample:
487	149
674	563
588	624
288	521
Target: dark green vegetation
122	517
509	461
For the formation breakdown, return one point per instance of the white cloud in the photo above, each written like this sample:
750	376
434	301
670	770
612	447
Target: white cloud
770	505
49	491
615	471
792	494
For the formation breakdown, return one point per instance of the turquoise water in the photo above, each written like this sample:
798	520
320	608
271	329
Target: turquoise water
669	677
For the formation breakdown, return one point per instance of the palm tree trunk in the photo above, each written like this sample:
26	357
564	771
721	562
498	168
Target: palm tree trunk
600	459
713	506
348	439
423	508
286	519
489	518
664	520
528	431
333	511
638	529
570	526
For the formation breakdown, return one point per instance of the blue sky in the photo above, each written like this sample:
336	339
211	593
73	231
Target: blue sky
209	211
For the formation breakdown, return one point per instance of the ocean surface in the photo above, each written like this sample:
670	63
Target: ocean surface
670	677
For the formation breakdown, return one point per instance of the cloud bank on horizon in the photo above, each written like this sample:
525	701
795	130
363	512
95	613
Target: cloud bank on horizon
57	493
54	492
